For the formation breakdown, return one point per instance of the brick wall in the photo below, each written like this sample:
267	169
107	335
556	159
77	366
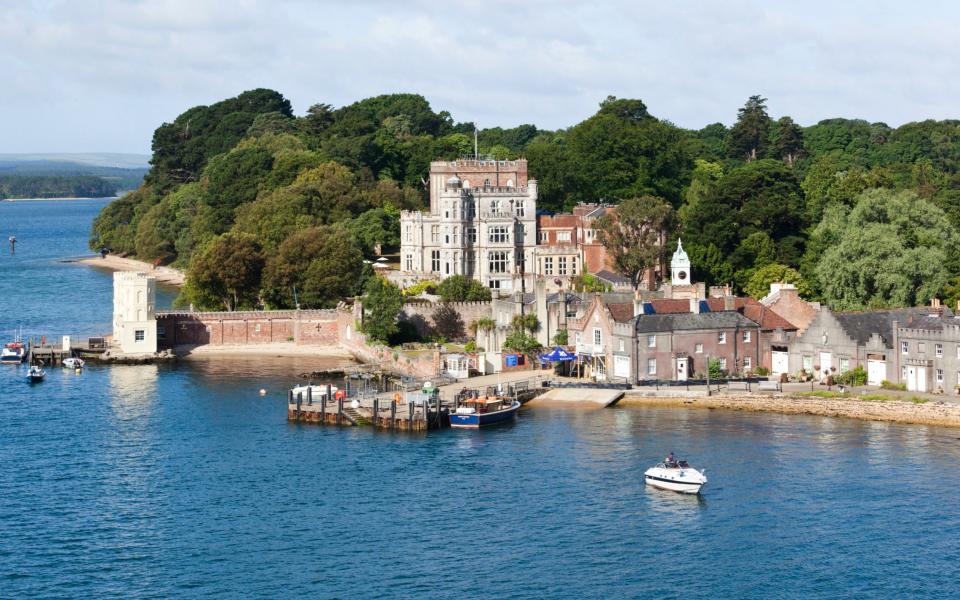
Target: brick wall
307	327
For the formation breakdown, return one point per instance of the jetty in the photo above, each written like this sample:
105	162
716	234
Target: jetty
409	407
53	354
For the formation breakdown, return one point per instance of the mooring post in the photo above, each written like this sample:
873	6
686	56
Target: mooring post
299	403
309	395
376	411
289	398
323	410
339	411
410	410
393	414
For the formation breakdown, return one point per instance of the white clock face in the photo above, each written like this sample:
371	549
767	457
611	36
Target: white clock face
682	275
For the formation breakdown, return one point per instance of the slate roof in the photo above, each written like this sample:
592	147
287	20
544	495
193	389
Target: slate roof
750	308
614	279
557	298
727	319
860	326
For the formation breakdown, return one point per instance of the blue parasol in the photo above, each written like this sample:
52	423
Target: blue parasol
558	354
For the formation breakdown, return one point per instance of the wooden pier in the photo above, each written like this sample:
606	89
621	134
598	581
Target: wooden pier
53	354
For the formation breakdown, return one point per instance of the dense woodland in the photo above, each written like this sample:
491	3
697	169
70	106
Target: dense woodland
262	206
55	186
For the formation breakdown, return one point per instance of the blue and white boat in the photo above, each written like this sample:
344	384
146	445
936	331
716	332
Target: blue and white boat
15	351
35	374
474	413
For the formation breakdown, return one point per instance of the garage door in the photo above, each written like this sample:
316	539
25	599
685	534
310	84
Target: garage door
781	362
876	371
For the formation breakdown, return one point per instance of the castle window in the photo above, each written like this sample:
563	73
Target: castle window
494	206
435	261
499	234
446	238
545	238
486	183
573	265
409	233
561	265
939	348
521	209
409	262
563	236
499	262
548	265
472	235
455	233
434	233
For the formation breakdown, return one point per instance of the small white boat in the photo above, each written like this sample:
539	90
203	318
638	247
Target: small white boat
676	476
35	374
73	363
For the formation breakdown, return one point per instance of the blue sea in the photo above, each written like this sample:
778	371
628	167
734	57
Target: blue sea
182	482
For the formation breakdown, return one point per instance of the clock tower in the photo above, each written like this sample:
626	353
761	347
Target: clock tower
680	266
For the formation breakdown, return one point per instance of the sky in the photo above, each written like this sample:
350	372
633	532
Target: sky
100	76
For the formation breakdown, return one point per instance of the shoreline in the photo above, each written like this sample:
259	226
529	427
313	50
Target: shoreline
265	350
62	198
164	275
936	413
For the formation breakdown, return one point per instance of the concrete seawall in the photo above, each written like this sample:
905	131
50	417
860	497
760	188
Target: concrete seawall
931	413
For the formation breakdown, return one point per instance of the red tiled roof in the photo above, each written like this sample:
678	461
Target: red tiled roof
667	306
621	311
558	220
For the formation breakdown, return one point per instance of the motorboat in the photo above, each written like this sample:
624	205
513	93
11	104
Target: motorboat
35	374
314	393
473	413
14	353
73	363
676	476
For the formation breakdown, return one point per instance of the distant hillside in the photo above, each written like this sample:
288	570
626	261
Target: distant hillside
121	171
55	186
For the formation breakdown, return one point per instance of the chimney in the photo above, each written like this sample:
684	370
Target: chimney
695	306
729	302
935	302
637	304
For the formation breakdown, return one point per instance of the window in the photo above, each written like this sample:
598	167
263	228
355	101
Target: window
499	262
486	183
545	238
939	375
563	236
939	349
499	234
723	364
905	348
621	344
548	265
409	262
256	328
807	363
434	233
746	337
651	341
698	348
446	239
472	235
747	363
651	366
456	232
494	206
576	338
434	261
844	365
597	337
722	337
409	233
138	335
521	209
561	265
573	265
903	374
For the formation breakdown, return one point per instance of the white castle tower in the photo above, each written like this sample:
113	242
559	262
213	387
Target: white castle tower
134	319
680	266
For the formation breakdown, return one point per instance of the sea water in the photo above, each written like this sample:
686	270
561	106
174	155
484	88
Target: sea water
181	481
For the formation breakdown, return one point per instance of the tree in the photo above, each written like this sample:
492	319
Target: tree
375	229
314	268
759	284
888	251
447	322
460	288
226	274
634	235
562	338
788	144
381	305
589	284
749	137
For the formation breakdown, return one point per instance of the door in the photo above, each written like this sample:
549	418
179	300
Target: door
826	361
921	379
781	362
876	371
911	379
682	369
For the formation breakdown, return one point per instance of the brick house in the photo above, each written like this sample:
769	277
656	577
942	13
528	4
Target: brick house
676	346
604	337
927	354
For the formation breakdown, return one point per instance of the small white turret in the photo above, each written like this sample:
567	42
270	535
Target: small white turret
680	266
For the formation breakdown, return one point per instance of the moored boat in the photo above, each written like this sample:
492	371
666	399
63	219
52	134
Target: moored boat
474	413
35	374
676	476
73	363
314	393
14	352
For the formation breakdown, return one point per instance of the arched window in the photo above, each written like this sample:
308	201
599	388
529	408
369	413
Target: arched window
486	183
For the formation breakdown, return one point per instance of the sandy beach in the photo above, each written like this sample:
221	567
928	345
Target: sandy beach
271	350
896	411
165	275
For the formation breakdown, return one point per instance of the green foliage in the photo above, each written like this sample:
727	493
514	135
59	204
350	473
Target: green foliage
634	236
55	186
381	305
471	346
376	228
226	274
589	284
853	377
425	286
759	284
522	342
713	367
526	322
889	385
889	250
447	322
483	324
750	136
460	288
314	267
562	338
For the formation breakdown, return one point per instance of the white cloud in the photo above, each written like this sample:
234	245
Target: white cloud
102	75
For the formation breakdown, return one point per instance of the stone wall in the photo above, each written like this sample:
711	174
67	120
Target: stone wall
420	364
420	314
307	327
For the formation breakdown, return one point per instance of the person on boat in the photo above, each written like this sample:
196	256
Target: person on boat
670	458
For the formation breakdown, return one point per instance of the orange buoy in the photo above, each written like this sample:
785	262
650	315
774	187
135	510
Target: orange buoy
340	395
398	398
